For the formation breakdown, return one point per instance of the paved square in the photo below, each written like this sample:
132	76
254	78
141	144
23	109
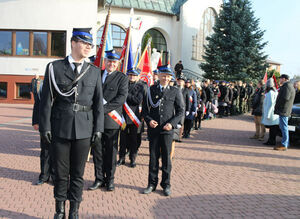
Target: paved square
217	173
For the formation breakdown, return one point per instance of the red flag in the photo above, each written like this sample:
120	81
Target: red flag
265	78
102	42
99	53
124	49
159	62
144	65
275	81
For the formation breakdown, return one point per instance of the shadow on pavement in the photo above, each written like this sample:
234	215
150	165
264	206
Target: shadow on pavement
20	175
242	153
14	215
228	206
257	167
25	141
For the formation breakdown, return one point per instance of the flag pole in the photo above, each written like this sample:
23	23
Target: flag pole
143	54
105	36
137	54
128	42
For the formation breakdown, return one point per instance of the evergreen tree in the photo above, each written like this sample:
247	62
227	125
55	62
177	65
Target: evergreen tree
234	51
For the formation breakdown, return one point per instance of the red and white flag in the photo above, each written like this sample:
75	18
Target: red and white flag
145	66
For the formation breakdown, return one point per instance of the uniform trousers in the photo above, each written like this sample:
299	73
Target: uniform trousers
188	124
69	163
46	162
105	156
129	139
160	145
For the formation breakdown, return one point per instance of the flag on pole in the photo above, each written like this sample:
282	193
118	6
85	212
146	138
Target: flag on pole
160	60
109	41
169	58
145	66
265	78
130	63
275	81
137	55
99	57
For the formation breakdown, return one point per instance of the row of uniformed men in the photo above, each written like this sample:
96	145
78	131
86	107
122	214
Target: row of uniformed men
80	107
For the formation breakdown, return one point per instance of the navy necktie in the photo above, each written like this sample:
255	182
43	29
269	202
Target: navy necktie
76	64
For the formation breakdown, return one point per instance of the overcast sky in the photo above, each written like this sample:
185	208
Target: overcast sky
281	21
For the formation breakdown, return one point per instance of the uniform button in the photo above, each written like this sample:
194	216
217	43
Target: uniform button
161	115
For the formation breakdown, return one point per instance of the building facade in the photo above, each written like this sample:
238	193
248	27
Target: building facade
42	30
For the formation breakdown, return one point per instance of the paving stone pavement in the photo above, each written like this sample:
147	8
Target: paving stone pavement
217	173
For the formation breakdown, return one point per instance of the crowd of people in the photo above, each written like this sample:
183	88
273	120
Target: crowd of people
78	108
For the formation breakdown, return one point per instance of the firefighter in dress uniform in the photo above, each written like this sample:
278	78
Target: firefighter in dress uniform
115	90
71	118
162	111
131	114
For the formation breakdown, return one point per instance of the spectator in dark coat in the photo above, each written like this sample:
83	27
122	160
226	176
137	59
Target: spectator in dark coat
201	99
46	165
257	105
283	108
178	69
223	99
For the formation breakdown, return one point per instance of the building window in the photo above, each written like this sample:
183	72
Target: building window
159	42
22	43
3	90
118	35
5	43
23	91
40	43
33	43
206	29
58	44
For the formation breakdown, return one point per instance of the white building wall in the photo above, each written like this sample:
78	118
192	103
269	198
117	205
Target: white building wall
43	15
191	15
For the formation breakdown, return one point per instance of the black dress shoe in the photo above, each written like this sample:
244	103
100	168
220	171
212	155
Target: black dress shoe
40	182
167	191
60	210
149	190
133	164
121	162
97	184
73	213
110	187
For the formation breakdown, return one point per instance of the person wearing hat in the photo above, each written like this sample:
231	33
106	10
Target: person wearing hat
155	77
283	108
269	119
128	136
186	101
115	90
71	118
163	109
191	111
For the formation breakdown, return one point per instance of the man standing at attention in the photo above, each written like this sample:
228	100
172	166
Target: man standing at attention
71	117
283	108
162	110
115	90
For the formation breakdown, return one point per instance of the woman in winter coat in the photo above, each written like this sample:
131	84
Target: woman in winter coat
257	112
269	119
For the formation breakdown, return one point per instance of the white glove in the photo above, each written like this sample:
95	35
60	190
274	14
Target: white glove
193	113
187	113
